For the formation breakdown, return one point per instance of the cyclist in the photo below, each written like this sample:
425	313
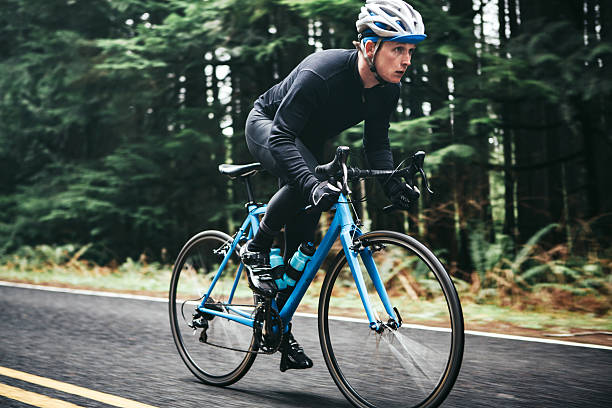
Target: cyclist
328	92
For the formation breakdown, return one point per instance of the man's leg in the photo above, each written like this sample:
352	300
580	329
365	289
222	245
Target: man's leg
255	254
283	207
299	229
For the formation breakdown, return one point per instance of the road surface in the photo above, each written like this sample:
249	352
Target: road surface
113	347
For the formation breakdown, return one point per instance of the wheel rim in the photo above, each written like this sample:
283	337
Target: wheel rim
192	276
413	366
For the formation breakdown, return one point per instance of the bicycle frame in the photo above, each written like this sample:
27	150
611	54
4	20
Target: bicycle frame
342	227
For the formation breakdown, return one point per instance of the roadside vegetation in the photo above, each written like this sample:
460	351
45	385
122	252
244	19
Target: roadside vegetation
538	289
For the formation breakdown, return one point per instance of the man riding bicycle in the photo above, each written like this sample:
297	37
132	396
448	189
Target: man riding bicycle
328	92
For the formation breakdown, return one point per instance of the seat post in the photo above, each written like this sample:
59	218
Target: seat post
247	183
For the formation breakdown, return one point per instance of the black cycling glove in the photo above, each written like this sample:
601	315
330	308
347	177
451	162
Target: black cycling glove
324	195
400	193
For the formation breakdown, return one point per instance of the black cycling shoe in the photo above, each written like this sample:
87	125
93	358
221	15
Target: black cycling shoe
259	272
293	356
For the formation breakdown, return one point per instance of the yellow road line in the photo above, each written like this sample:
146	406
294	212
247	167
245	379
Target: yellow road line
31	398
73	389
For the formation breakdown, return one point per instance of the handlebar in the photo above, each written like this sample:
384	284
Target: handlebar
337	170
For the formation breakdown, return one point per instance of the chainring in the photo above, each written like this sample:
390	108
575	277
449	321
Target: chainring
267	329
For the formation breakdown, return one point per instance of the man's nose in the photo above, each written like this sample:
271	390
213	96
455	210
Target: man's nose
406	61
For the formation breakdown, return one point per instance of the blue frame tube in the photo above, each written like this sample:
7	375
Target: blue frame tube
348	227
238	311
311	270
235	285
244	226
353	262
252	220
237	318
368	261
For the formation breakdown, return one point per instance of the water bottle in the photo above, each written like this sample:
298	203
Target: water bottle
278	268
294	270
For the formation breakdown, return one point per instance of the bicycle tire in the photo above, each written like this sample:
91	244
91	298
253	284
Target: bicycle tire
212	365
388	374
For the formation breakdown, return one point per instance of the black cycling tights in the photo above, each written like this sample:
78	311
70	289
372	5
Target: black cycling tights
285	207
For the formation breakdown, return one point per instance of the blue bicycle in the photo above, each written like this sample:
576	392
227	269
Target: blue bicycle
389	318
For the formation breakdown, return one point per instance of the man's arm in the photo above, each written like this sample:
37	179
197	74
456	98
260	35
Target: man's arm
378	149
307	92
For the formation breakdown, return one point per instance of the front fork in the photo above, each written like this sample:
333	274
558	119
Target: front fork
353	246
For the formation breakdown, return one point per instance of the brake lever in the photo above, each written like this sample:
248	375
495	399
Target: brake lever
342	153
425	180
345	188
418	160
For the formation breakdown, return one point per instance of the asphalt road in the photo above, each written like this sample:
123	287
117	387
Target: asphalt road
123	347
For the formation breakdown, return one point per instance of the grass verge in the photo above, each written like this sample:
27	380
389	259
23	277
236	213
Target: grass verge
61	269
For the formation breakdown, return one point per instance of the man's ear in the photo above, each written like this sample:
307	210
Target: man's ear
369	48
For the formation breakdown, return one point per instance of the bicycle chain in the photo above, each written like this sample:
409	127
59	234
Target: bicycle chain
258	324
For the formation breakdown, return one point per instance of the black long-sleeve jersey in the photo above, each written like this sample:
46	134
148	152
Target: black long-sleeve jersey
320	98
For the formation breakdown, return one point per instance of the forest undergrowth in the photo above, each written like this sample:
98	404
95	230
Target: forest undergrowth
543	289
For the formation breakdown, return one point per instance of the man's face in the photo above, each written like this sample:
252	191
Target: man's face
392	60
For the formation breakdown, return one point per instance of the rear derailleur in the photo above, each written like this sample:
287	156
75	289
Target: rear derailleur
200	319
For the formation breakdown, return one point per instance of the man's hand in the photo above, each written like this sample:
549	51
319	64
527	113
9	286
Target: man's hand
324	195
401	194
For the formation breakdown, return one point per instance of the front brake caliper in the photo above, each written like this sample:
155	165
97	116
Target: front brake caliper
395	324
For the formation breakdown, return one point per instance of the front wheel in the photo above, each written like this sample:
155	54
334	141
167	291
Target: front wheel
415	365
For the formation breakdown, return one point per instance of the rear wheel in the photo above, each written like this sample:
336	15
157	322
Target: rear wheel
415	365
195	268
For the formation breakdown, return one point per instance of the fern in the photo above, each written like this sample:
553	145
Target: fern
477	251
535	274
563	272
486	256
524	253
594	283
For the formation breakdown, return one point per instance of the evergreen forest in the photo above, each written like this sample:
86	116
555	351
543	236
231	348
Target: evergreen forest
115	114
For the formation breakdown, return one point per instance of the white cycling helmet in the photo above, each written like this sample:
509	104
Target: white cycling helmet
390	20
387	20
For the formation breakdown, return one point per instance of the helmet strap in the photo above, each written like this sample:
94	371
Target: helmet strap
361	47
